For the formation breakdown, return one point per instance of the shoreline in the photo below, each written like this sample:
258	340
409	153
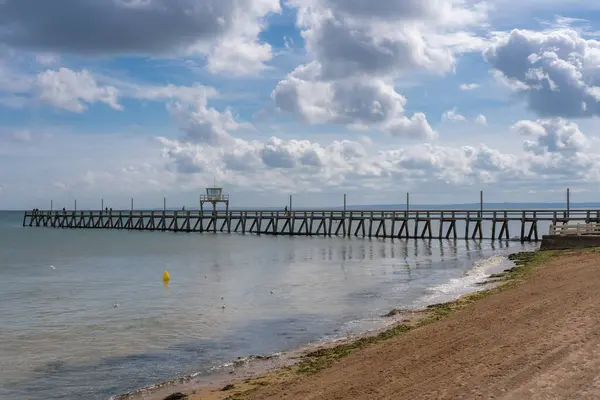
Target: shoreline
254	366
245	375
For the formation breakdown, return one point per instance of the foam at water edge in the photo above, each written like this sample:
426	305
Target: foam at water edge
448	291
468	283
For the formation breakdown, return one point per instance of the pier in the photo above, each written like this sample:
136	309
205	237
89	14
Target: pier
526	225
401	224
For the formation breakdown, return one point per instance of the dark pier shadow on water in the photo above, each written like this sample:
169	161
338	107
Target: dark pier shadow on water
105	377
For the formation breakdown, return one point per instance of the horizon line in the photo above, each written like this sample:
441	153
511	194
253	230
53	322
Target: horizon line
399	205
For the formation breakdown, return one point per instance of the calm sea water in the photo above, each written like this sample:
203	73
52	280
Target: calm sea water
62	335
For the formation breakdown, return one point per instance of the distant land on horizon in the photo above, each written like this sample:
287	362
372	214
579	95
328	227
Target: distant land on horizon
402	207
476	206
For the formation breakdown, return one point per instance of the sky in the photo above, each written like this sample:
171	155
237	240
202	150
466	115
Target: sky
108	100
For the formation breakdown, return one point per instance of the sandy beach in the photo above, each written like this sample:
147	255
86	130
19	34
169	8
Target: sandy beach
537	337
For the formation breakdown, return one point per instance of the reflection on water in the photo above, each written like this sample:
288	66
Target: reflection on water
229	296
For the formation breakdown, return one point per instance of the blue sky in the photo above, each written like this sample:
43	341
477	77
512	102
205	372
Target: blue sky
315	98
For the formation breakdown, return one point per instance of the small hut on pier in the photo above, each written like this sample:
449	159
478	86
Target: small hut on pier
214	195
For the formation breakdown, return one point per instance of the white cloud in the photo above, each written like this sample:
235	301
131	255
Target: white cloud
469	86
239	52
553	136
226	31
358	48
305	166
414	127
74	91
555	148
239	57
481	119
205	125
453	116
556	71
352	102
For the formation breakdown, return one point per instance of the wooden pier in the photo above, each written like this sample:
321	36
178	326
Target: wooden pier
426	224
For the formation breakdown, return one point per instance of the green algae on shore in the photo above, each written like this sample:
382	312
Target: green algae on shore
322	358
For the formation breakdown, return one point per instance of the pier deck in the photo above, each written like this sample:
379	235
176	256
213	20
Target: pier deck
425	224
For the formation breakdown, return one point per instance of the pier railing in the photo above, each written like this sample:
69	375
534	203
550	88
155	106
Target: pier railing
576	229
214	197
448	224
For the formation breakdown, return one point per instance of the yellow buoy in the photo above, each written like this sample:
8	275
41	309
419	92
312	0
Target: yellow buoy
166	277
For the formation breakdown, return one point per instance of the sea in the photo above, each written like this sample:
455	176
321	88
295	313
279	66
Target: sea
84	314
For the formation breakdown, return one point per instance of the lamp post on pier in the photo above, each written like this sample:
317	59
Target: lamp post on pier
481	204
568	202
